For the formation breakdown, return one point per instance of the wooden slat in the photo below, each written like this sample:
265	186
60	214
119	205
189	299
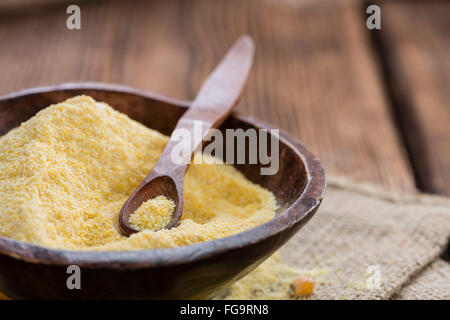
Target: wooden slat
10	5
314	72
416	40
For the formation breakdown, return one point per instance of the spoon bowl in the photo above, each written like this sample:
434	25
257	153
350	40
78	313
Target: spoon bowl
201	270
160	185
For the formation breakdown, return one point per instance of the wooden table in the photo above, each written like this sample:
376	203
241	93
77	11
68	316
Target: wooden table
374	105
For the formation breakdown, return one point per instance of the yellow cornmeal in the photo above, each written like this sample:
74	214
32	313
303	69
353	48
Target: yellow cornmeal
65	174
3	297
153	214
270	281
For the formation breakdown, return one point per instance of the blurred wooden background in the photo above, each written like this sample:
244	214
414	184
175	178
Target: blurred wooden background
373	105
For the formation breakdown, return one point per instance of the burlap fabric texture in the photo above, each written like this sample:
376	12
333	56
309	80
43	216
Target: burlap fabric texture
371	244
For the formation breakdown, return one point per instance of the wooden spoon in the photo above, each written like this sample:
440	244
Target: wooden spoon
214	102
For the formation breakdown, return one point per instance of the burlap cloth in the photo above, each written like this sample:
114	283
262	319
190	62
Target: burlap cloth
360	230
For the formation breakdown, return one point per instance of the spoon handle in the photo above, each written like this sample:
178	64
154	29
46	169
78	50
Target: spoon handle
215	101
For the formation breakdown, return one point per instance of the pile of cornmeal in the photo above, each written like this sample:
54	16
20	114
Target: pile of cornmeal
66	172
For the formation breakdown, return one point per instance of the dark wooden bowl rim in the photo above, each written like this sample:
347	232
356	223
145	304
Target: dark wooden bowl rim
302	208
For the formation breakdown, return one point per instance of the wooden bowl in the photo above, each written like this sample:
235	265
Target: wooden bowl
200	270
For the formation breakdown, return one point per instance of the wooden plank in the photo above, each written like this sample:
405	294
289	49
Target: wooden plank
415	37
314	72
9	5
